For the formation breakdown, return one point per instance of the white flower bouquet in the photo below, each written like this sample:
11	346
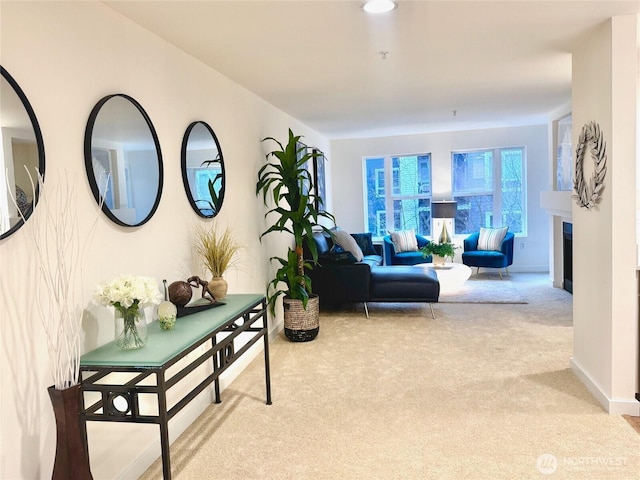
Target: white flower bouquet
129	295
126	291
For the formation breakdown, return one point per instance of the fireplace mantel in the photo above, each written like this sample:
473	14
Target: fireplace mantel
557	203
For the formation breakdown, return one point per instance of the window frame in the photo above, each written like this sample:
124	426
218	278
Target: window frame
497	185
389	196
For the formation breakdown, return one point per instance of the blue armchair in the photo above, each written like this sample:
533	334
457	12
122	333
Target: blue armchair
404	258
473	257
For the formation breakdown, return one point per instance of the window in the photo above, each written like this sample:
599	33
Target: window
198	179
407	202
489	188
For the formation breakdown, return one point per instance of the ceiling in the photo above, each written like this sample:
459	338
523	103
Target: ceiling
449	65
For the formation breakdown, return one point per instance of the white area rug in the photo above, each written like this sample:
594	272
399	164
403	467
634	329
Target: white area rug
484	288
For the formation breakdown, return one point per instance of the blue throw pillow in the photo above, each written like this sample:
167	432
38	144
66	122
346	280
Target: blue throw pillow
365	242
337	254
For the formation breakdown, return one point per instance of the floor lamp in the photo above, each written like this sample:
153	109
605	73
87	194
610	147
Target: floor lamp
444	210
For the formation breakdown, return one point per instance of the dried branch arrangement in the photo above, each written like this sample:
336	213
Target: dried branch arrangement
217	248
54	236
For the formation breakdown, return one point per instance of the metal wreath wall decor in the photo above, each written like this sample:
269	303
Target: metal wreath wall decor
587	195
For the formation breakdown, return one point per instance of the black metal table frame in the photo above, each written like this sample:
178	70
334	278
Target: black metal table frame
222	353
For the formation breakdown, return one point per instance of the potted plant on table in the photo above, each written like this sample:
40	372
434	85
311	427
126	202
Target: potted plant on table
439	252
287	182
217	248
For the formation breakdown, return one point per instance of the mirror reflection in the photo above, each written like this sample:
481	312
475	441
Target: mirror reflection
203	169
123	160
22	154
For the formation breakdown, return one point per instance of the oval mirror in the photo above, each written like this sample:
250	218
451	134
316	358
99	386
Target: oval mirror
22	155
203	169
123	160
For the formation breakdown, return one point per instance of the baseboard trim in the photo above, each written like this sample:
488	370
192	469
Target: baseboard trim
529	268
613	406
177	426
193	410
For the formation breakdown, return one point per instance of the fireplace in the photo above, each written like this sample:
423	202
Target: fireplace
567	256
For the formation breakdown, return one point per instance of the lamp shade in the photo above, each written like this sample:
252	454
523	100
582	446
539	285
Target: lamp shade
444	209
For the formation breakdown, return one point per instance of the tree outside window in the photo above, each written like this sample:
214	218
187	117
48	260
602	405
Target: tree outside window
489	188
407	202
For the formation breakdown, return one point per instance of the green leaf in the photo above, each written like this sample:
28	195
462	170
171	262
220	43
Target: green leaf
289	185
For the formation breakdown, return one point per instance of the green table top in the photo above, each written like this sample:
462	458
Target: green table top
163	345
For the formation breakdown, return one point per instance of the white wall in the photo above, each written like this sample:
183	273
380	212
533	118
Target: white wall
604	239
531	251
66	56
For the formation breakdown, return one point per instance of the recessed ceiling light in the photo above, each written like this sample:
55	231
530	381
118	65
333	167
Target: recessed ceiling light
379	6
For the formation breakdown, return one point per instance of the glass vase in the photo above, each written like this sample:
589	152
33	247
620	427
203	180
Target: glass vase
130	328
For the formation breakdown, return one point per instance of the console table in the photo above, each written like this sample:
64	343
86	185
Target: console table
113	380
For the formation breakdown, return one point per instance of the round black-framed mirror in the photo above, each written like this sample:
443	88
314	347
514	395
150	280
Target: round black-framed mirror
123	160
22	156
203	172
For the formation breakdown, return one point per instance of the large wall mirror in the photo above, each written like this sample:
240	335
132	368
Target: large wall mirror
22	154
203	169
123	160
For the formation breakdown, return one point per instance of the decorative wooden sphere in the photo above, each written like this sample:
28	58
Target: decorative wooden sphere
180	293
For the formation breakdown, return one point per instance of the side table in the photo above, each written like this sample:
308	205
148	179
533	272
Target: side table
451	276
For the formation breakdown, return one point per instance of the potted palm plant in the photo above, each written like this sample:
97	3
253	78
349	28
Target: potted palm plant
215	187
287	183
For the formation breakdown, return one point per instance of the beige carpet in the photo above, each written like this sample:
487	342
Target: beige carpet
482	392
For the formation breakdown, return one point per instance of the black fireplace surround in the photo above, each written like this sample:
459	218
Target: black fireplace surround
567	256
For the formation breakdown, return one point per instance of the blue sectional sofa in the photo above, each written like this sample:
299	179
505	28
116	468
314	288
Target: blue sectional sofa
339	281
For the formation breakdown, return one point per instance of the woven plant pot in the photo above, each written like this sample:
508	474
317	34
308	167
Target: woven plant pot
300	324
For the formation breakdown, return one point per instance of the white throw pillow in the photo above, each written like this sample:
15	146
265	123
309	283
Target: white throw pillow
405	240
346	241
491	238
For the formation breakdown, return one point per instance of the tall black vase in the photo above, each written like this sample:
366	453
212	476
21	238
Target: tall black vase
72	455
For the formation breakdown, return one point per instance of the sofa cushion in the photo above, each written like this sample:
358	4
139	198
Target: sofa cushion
346	241
485	258
404	284
365	242
372	260
322	243
491	238
410	258
404	240
337	254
